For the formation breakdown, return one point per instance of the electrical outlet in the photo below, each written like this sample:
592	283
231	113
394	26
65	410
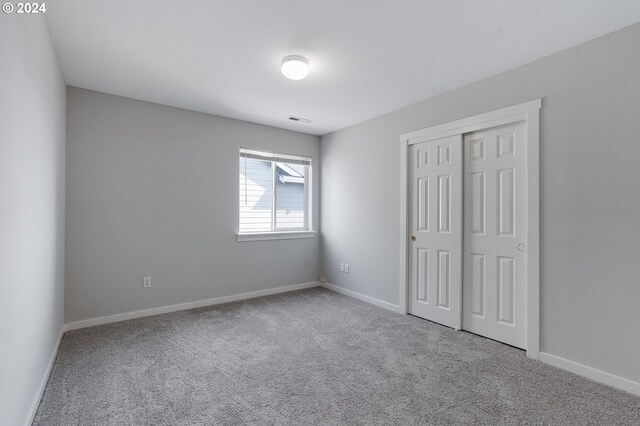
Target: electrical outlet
346	268
323	280
342	267
146	282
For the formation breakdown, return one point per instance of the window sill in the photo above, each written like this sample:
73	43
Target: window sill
285	235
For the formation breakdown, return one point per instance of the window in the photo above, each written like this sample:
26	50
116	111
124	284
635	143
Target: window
274	195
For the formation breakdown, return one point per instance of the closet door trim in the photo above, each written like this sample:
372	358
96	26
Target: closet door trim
529	112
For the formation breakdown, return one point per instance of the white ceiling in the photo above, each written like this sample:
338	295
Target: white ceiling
367	57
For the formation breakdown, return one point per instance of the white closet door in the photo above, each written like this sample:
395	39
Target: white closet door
495	237
435	263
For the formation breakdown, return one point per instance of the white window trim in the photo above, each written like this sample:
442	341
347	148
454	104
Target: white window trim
279	235
283	233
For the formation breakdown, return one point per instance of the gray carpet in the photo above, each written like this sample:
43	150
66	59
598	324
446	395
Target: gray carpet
310	357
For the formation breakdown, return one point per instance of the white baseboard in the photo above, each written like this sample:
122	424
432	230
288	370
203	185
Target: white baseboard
363	297
43	383
184	306
591	373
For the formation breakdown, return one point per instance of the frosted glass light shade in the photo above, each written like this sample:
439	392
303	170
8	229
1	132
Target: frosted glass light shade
295	67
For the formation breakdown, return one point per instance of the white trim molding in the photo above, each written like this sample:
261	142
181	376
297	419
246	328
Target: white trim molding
33	410
528	112
184	306
284	235
591	373
363	297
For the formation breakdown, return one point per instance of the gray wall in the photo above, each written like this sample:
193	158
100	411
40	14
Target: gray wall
32	144
590	212
153	191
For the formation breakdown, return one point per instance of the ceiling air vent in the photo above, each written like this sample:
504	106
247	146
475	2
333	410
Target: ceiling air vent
300	120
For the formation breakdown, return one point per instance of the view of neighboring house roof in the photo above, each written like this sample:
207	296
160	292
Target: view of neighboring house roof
290	173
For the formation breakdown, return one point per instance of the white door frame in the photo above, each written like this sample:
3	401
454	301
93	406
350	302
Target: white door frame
529	112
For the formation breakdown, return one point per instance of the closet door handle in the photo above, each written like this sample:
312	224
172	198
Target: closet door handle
413	238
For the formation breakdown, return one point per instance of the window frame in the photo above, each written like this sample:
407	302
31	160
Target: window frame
280	233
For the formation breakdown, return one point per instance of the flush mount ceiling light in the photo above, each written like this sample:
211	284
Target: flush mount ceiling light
295	67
